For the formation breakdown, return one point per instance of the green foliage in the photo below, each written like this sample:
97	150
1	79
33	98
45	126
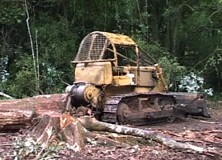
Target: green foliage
182	36
212	68
11	14
57	42
56	50
27	148
173	71
217	97
50	80
23	82
194	83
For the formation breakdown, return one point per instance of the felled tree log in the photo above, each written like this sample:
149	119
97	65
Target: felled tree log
94	125
15	120
54	124
18	113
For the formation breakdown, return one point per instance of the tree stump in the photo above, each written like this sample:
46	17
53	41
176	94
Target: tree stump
62	127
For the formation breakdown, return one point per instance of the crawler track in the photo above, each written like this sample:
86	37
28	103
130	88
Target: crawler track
138	109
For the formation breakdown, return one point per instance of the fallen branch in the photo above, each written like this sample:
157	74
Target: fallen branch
93	125
5	95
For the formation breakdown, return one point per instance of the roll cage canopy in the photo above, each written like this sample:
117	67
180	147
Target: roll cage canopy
105	46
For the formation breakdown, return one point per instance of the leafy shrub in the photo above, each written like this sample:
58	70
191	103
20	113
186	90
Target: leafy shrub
193	83
173	72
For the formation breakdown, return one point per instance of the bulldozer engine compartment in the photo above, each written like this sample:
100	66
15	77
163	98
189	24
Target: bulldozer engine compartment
121	83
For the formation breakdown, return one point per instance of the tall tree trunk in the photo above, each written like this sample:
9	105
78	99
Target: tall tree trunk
155	21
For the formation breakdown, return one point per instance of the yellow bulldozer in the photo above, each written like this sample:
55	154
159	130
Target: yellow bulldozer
118	82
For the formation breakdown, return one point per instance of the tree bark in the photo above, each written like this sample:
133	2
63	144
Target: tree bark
15	120
56	124
19	113
94	125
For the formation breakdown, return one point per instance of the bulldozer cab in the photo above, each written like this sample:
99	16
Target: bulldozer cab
116	48
107	58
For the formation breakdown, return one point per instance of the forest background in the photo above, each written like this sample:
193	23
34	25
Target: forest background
39	38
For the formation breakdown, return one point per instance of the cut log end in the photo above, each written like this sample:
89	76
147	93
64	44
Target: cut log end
62	127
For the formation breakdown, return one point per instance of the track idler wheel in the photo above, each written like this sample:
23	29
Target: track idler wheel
122	112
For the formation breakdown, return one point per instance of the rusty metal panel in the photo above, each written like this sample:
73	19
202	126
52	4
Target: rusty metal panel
98	73
119	39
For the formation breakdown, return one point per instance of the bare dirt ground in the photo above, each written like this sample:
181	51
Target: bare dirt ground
200	132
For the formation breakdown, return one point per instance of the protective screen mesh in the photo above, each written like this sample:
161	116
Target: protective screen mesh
92	47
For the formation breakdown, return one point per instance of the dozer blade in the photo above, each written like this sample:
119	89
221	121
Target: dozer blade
191	103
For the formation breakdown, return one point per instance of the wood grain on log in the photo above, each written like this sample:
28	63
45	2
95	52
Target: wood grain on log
62	127
18	113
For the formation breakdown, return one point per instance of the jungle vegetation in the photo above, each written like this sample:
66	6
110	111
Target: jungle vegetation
39	38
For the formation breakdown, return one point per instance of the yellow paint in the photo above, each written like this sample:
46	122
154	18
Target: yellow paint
117	38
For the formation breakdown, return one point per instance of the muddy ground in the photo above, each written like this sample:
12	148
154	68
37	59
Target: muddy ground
200	132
